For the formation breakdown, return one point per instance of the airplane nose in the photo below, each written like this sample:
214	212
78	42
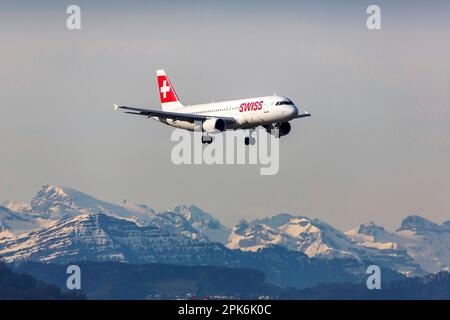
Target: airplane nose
293	112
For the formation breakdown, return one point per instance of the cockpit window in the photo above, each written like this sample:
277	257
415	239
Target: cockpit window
288	102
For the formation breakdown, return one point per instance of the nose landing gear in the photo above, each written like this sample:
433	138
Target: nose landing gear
250	140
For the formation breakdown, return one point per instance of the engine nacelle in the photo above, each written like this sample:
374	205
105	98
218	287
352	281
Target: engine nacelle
212	125
283	129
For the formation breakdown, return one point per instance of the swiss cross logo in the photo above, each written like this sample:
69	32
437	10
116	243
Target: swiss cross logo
164	89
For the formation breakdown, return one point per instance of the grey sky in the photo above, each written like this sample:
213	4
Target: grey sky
377	147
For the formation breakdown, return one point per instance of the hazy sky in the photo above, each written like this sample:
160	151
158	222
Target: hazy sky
377	147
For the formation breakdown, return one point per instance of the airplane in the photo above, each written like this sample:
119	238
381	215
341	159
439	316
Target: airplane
271	112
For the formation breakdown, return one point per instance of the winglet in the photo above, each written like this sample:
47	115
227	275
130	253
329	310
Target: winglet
116	107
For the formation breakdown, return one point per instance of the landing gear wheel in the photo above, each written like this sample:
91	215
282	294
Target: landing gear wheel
249	141
207	139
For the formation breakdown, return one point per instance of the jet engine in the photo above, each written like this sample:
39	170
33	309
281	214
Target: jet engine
284	128
212	125
279	130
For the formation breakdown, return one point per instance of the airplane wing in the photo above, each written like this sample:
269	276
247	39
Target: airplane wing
170	115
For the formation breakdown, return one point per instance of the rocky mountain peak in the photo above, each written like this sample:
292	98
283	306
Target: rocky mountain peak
204	223
370	229
418	224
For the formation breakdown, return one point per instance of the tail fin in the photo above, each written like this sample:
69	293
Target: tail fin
167	94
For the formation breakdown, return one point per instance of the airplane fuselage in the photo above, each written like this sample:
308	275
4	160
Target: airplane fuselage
248	113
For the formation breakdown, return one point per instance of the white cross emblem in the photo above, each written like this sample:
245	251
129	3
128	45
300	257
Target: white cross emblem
165	88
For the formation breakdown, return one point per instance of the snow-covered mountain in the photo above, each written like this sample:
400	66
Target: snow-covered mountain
310	236
16	206
55	202
176	223
418	245
14	223
52	203
426	242
317	239
204	223
100	237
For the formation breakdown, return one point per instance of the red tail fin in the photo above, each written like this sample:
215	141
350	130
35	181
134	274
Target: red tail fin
167	94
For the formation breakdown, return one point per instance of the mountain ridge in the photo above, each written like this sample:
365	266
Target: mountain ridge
405	250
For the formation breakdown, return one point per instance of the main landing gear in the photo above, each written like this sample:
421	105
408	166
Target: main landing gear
207	139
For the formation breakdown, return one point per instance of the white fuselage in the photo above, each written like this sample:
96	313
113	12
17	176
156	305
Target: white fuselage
248	113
